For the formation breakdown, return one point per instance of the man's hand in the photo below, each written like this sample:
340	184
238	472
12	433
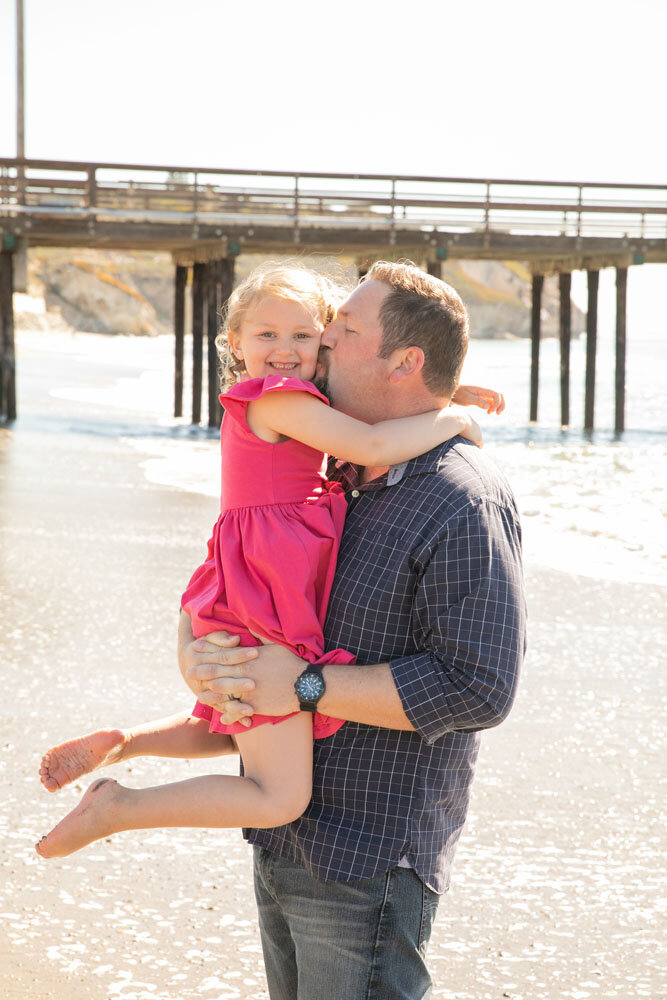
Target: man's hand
216	668
257	679
217	649
475	395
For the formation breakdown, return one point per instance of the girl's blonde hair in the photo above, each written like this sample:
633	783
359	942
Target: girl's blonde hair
292	281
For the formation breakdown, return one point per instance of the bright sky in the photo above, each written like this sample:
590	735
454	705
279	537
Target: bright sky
571	90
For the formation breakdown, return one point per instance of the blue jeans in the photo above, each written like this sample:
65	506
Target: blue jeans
363	940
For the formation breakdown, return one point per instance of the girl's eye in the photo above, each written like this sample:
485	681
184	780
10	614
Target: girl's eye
304	336
267	333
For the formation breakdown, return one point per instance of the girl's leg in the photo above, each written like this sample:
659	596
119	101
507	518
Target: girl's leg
275	789
176	736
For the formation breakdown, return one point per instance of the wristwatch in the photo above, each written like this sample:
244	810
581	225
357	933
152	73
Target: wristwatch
310	687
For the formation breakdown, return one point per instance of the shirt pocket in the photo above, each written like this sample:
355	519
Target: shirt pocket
372	598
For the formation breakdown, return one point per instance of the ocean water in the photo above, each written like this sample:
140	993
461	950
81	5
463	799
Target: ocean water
591	504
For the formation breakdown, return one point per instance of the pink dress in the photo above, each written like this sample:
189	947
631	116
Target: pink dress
272	557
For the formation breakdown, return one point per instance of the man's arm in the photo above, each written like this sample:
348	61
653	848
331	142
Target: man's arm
469	626
215	668
469	622
365	694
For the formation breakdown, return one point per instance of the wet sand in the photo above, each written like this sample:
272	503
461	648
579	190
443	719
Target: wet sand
556	887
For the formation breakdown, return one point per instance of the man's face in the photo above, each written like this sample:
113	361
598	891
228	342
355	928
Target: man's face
356	377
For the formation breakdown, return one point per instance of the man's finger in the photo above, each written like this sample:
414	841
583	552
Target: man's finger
212	671
236	711
214	640
227	657
221	700
222	688
230	711
230	686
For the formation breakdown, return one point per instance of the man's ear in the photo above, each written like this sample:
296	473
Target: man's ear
407	362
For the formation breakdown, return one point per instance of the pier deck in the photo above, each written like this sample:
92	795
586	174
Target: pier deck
127	206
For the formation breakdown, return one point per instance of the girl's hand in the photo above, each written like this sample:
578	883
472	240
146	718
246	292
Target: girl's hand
475	395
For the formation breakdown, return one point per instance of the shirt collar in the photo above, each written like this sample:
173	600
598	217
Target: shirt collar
348	475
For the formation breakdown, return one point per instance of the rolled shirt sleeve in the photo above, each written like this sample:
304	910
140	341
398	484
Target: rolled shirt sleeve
468	624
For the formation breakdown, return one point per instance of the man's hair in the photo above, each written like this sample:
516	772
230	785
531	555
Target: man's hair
422	311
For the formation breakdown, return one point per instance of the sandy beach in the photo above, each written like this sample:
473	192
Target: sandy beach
557	882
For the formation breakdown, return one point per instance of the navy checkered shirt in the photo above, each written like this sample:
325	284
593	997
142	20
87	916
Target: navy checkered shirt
428	579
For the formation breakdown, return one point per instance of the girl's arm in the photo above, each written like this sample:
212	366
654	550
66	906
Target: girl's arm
303	417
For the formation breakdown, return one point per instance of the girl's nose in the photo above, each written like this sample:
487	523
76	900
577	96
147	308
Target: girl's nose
284	348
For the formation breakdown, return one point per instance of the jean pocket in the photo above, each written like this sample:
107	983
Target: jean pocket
430	902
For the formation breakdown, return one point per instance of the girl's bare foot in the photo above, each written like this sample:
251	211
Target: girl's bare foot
68	761
90	820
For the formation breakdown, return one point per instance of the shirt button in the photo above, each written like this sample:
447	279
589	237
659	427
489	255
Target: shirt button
355	493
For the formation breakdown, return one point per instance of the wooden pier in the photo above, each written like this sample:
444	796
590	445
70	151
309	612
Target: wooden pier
206	217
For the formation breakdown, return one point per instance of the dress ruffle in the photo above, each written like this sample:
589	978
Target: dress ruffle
254	388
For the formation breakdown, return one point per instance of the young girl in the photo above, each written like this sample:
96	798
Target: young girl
267	575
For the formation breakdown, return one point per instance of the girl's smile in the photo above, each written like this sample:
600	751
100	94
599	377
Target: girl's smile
278	337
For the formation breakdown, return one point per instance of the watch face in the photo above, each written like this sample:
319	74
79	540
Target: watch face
310	686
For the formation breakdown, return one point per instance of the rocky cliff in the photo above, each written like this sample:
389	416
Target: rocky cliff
99	292
132	293
498	297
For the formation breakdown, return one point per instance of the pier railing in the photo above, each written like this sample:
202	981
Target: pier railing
308	201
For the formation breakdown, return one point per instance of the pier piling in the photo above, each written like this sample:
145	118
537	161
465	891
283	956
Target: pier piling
7	353
621	307
198	305
212	309
591	348
535	335
180	281
565	286
226	280
226	288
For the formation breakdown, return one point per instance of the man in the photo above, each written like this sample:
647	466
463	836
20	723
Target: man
428	596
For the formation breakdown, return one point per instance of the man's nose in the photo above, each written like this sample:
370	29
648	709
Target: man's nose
329	335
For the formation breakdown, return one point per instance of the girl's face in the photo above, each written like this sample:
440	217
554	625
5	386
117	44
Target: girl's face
278	337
